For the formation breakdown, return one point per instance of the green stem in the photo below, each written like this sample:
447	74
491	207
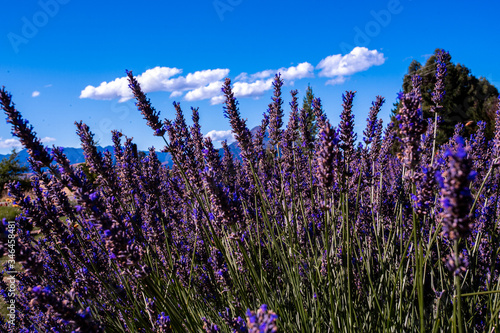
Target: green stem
434	140
458	293
481	293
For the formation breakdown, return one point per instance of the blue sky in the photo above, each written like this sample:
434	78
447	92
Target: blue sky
65	60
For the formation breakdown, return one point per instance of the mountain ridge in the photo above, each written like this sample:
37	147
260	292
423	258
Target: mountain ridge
76	155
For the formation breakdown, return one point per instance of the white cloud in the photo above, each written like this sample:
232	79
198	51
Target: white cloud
244	89
221	136
262	75
176	94
10	143
241	88
117	88
206	92
298	72
15	143
48	139
35	93
337	80
254	89
217	100
255	85
242	77
155	79
338	66
195	80
206	84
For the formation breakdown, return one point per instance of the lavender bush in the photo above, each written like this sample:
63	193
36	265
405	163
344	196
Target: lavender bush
304	235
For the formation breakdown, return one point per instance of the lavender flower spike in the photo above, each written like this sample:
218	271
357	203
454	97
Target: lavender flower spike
23	131
438	94
326	155
240	130
456	197
276	111
411	124
372	122
347	134
264	321
144	105
496	139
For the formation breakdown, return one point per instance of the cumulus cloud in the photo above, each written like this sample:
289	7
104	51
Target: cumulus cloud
245	89
35	93
209	91
10	143
155	79
240	90
245	77
298	72
15	143
196	79
255	85
338	66
176	94
221	136
117	88
337	80
206	84
253	89
217	100
48	139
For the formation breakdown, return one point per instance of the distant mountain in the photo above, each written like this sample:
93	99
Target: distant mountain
75	155
235	149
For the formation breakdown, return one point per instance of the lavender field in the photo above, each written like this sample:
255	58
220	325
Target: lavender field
303	232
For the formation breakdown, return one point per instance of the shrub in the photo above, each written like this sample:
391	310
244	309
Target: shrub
12	170
328	235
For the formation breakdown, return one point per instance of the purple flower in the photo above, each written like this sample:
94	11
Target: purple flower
264	321
456	198
347	134
496	139
276	112
328	154
144	105
411	125
442	58
372	126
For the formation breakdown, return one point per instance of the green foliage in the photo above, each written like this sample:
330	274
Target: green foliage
307	106
467	97
11	170
9	213
91	177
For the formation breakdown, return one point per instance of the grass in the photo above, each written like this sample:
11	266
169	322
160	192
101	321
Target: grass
9	212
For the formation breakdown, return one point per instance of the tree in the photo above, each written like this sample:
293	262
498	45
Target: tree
307	106
467	98
11	170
